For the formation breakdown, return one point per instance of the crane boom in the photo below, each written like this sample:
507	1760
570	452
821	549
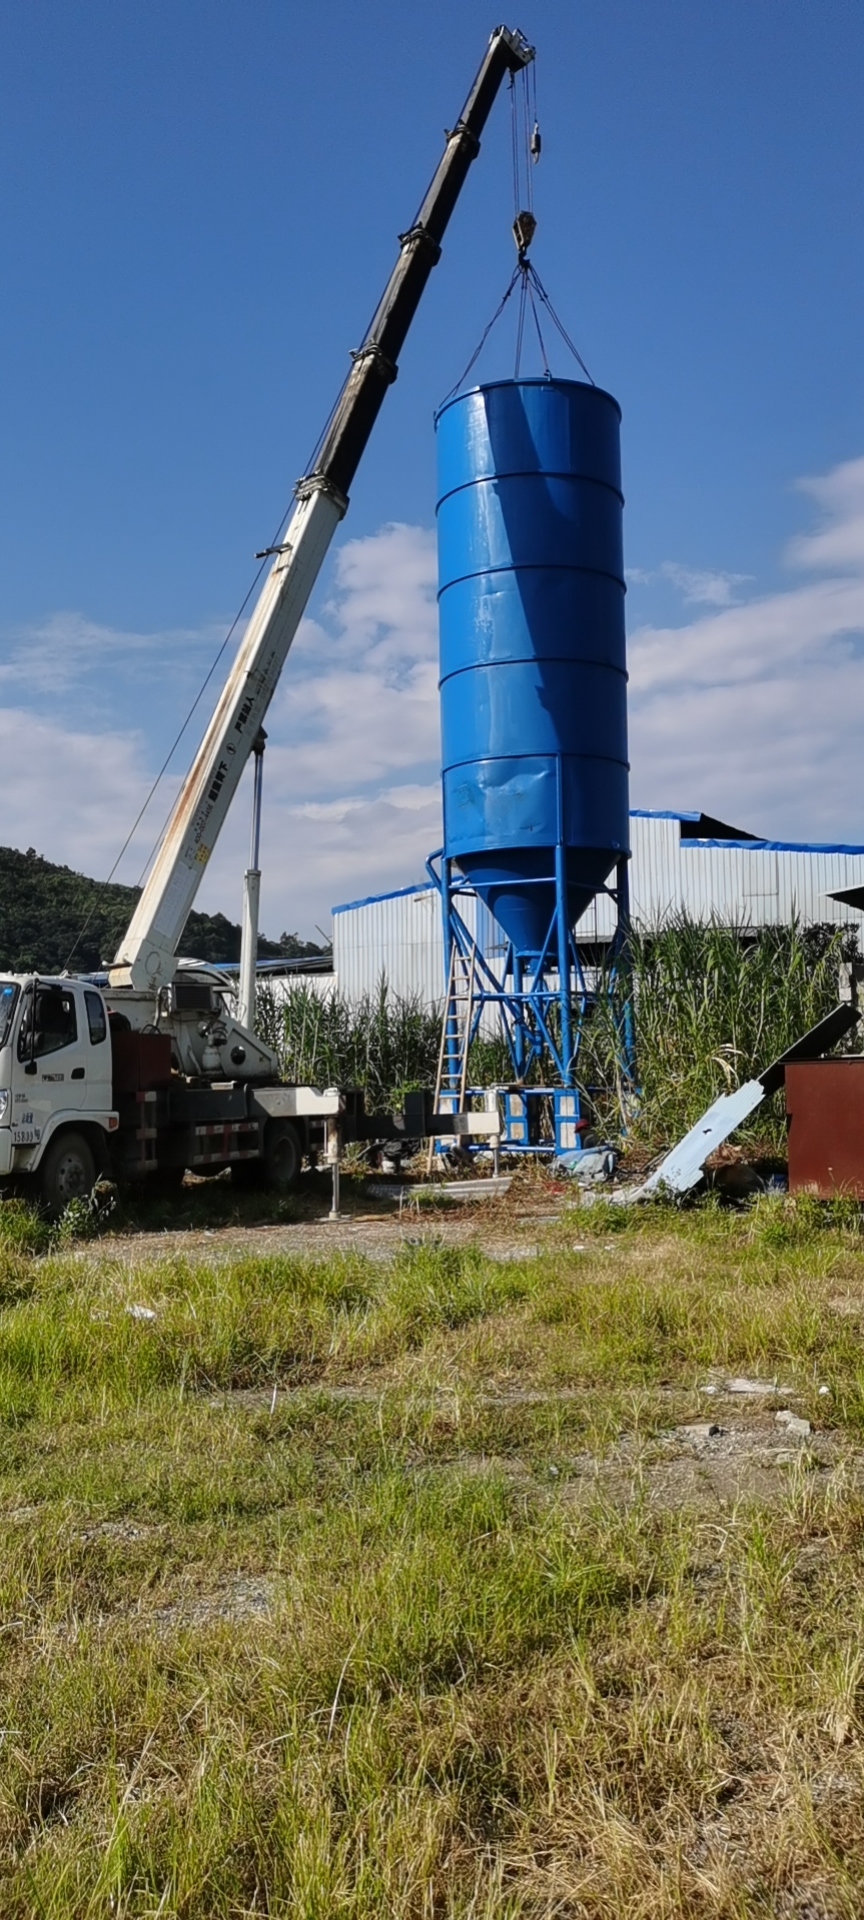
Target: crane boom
146	955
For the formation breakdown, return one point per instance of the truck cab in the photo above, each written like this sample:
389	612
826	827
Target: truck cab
56	1105
86	1091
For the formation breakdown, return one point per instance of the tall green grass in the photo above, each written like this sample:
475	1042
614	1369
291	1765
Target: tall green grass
711	1007
384	1043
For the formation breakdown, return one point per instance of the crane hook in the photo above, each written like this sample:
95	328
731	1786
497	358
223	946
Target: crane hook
524	229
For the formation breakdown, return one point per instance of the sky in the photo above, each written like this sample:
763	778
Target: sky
198	211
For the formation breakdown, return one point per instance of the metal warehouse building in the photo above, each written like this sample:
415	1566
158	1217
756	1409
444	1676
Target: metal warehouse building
681	863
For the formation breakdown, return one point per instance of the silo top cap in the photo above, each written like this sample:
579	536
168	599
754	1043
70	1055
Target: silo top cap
543	427
553	384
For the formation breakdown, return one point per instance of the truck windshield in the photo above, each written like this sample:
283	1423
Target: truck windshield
8	997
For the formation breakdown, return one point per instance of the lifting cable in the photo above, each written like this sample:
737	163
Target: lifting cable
538	287
516	274
525	146
526	277
520	324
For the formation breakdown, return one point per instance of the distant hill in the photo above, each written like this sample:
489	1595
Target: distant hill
43	909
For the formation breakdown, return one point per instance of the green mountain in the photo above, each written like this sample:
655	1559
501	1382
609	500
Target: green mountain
51	918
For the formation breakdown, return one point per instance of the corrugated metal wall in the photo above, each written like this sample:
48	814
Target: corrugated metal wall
742	885
768	885
398	935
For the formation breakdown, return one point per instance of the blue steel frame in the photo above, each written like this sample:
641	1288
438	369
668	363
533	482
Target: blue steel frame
526	1006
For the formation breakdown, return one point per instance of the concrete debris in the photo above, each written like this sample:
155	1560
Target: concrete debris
452	1189
741	1384
591	1166
237	1597
794	1426
141	1313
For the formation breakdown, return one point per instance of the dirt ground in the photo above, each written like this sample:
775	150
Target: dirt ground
510	1227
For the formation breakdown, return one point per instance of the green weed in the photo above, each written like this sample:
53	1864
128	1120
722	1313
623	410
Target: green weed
324	1591
384	1043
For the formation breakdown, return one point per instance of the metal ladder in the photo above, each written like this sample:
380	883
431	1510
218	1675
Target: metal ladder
452	1076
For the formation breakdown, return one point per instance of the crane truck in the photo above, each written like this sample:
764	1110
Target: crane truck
152	1072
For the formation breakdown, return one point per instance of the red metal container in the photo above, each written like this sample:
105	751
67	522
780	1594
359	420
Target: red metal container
825	1113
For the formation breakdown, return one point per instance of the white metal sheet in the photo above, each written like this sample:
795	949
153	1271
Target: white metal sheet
681	1168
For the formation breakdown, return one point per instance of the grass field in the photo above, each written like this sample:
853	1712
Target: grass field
418	1587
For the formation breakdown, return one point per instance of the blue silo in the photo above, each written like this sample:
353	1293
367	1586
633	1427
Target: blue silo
533	673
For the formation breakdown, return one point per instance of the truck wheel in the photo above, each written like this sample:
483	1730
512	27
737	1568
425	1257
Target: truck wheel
282	1155
68	1172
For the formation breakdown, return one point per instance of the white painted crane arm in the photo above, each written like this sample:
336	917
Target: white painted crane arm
146	955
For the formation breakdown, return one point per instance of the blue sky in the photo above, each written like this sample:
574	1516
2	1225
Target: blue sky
199	204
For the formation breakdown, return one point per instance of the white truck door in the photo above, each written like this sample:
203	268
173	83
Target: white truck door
51	1059
97	1080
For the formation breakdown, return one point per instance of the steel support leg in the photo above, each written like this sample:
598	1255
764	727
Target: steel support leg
563	933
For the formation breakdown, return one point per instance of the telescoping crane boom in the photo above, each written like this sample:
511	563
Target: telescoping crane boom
146	957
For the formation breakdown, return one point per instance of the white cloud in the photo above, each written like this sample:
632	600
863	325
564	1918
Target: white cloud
68	793
755	712
701	588
352	847
385	594
838	545
57	655
697	586
358	700
352	797
351	791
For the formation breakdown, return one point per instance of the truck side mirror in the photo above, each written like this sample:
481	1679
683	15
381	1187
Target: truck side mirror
30	1066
